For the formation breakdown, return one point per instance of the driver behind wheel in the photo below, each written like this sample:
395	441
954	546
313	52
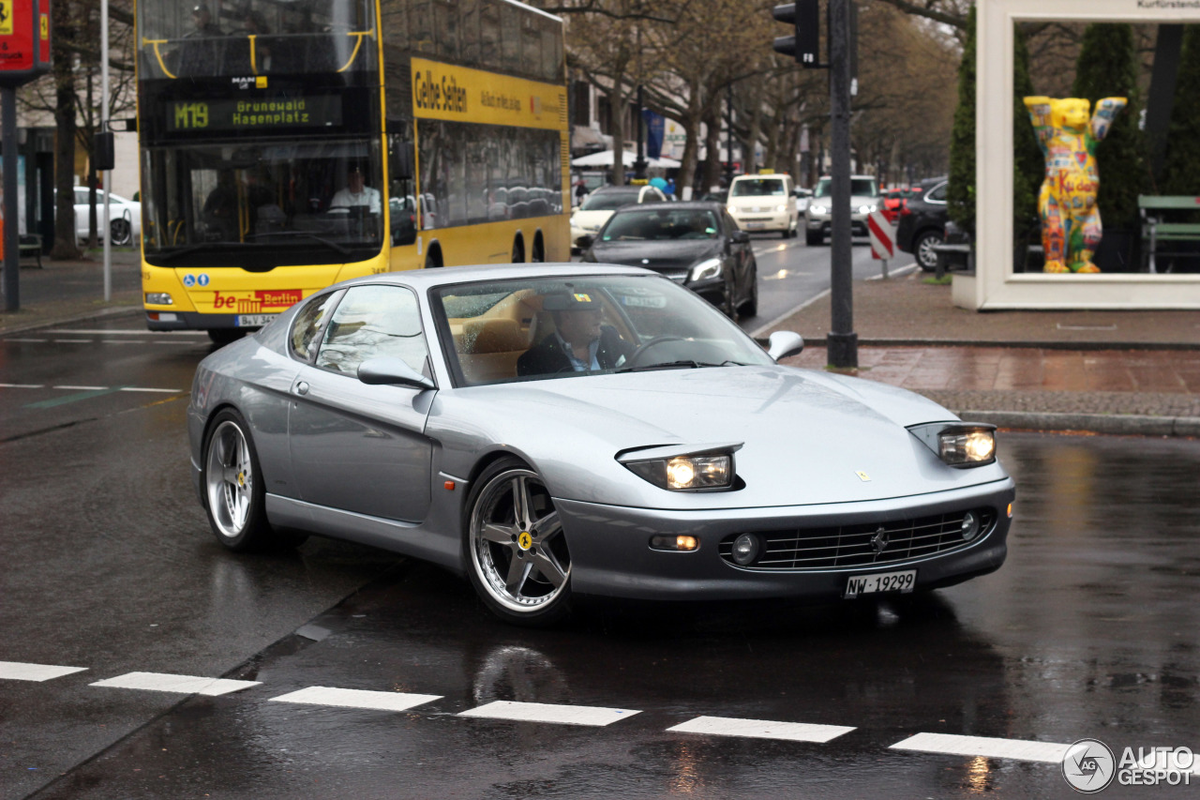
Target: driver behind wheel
579	343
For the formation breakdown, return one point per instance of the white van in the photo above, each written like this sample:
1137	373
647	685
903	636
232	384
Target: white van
764	202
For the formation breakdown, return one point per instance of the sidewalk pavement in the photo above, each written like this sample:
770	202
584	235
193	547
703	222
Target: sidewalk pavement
1111	372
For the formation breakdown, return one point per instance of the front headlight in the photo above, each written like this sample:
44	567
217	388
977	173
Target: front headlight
959	444
818	209
711	469
709	268
780	209
159	299
731	209
866	209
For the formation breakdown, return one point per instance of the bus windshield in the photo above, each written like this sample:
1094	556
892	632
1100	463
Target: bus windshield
265	200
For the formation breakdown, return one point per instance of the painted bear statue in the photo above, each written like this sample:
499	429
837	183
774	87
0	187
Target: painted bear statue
1068	134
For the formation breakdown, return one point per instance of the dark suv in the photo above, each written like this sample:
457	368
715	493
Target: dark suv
923	222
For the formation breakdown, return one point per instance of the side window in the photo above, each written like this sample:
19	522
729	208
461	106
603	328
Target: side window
308	324
370	322
938	195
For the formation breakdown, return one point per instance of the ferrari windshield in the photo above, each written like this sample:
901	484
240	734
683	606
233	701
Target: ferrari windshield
542	328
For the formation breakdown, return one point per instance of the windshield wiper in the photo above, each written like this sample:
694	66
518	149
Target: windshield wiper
682	363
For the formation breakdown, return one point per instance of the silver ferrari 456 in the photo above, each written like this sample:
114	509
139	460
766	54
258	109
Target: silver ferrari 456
558	431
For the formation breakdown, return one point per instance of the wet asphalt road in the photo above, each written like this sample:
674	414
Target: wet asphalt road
1089	630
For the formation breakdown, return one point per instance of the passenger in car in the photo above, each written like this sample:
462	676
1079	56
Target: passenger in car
580	341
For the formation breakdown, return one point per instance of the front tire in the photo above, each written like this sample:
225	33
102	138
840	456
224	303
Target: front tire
813	239
750	304
515	549
234	495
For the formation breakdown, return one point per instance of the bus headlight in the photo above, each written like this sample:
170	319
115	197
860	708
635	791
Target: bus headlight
159	299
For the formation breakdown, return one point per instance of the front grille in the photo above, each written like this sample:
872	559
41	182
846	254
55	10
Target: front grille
863	545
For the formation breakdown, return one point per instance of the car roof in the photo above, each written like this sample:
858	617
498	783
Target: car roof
619	189
689	205
423	279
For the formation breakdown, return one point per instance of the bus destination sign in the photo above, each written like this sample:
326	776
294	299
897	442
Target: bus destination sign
254	114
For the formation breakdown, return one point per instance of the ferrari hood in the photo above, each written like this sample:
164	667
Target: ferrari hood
805	437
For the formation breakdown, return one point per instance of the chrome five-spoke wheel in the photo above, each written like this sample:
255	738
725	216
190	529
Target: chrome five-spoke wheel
518	557
234	495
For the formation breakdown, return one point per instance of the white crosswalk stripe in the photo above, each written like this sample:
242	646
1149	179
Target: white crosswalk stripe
356	698
762	729
181	684
19	671
547	712
986	746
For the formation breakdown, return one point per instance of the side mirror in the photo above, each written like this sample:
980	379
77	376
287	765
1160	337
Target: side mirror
391	371
585	242
782	344
739	237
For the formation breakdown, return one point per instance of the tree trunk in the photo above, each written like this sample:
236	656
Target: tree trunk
712	144
65	245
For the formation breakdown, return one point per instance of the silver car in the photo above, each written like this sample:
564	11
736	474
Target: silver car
566	430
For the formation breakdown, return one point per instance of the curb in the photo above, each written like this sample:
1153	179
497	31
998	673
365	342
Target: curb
1105	424
49	323
1055	345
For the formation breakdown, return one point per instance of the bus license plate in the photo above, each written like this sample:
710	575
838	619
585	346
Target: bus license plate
253	320
881	582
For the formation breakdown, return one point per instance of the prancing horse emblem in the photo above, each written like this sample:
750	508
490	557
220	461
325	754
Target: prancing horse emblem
880	541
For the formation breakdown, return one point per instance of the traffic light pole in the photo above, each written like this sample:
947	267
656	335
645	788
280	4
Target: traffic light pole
12	244
842	341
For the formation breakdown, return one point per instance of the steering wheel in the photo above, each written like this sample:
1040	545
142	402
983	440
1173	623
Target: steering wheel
642	348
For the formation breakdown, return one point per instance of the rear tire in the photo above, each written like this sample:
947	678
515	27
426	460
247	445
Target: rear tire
234	497
924	252
514	547
223	336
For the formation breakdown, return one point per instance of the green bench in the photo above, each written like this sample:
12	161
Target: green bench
1155	231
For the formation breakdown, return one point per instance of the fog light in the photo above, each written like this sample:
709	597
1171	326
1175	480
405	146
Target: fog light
681	544
970	526
745	549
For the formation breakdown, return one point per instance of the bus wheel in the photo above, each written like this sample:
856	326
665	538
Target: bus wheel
433	260
539	251
518	256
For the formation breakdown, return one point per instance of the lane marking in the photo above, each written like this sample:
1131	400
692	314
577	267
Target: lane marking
356	698
86	388
40	341
990	747
148	389
22	386
547	712
18	671
762	729
764	328
72	341
84	394
122	332
180	684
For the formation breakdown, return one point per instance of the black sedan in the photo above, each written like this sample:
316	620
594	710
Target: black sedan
922	223
696	244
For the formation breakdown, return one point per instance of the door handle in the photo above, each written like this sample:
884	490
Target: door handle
301	388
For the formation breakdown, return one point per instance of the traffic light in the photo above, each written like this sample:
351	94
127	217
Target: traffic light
805	45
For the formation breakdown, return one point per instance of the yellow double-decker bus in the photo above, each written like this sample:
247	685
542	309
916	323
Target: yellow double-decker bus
289	144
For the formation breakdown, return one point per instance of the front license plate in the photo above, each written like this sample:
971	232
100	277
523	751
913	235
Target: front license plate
881	582
253	320
754	225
